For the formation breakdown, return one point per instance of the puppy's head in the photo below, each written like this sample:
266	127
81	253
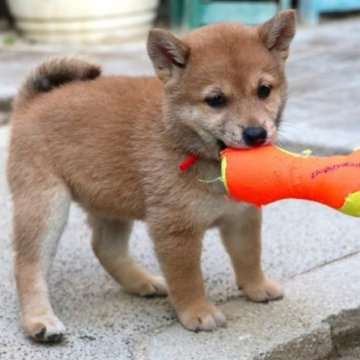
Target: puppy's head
225	83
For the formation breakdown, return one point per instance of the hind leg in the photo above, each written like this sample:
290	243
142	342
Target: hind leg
40	214
110	245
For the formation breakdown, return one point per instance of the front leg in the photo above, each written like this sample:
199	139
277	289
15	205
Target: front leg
179	251
241	235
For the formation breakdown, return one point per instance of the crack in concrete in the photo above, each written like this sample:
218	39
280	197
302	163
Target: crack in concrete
354	253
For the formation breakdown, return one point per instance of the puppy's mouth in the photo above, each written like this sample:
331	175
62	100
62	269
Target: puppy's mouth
222	146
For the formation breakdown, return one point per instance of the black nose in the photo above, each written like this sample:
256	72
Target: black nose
254	136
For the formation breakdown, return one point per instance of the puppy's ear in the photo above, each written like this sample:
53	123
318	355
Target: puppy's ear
277	33
167	53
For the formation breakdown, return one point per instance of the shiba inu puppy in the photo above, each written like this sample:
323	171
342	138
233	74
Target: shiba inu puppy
114	144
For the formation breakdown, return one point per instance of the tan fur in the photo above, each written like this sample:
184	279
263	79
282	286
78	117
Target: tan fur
114	144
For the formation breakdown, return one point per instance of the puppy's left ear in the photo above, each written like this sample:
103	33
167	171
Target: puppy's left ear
277	33
168	54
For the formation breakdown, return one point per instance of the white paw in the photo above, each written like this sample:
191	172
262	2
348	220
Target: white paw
263	291
148	286
45	328
202	316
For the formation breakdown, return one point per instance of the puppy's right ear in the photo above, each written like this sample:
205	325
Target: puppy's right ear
168	54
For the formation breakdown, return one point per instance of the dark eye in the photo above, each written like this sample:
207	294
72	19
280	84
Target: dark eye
216	101
264	91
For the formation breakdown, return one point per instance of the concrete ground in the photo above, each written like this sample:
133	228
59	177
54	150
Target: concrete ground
314	251
349	354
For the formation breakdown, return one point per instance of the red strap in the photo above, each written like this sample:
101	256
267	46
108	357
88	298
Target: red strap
184	165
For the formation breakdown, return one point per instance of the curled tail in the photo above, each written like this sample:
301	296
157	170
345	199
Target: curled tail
54	73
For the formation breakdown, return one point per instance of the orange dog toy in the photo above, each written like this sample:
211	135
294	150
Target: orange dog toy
266	174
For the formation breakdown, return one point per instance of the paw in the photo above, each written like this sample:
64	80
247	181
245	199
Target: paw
148	287
45	329
263	291
202	317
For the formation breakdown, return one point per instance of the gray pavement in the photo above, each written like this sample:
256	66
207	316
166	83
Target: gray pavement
349	354
313	250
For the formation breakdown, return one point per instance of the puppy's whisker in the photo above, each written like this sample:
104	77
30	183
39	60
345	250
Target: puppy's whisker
287	123
282	141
